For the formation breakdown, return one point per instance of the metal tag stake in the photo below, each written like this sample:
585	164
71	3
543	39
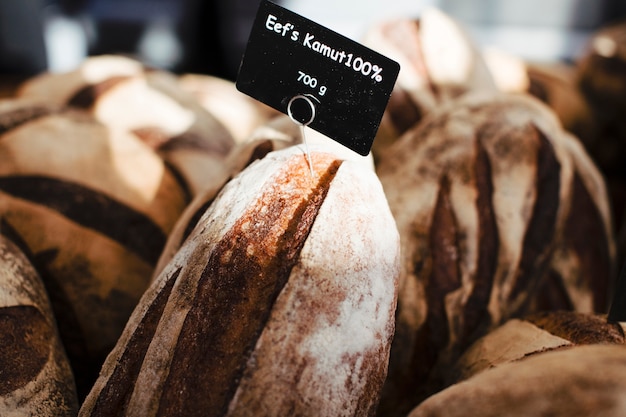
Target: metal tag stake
303	124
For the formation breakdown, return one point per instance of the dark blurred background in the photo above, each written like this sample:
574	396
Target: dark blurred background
209	36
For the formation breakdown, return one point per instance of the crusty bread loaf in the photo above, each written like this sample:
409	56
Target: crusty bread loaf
280	302
534	334
35	375
94	206
580	381
496	205
122	94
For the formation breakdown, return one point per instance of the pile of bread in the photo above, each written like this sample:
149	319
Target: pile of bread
168	248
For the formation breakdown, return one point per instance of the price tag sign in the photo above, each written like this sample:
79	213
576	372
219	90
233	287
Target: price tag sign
318	77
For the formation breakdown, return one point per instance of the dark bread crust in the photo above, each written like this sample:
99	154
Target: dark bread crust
579	328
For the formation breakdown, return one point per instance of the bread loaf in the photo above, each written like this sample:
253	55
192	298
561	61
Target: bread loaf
534	334
123	95
496	206
35	375
580	381
94	207
280	302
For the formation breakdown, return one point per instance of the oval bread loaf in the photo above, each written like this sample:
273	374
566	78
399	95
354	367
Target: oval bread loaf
496	205
35	375
280	302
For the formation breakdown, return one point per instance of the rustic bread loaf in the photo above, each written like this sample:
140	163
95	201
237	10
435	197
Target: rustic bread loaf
94	206
122	94
280	302
580	381
534	334
496	206
35	375
438	62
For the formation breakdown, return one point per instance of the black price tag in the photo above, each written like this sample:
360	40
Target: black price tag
318	77
617	312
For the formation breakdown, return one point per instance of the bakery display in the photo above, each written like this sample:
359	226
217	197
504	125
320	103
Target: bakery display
167	248
35	375
280	301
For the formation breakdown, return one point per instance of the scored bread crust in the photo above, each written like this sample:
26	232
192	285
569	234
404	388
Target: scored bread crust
495	205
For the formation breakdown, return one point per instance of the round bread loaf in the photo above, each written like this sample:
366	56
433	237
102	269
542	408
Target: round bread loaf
35	375
580	381
94	206
496	206
280	302
151	104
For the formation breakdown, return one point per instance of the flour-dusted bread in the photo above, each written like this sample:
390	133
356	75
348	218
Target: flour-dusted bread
534	334
580	381
496	207
35	375
280	302
151	104
94	206
438	62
